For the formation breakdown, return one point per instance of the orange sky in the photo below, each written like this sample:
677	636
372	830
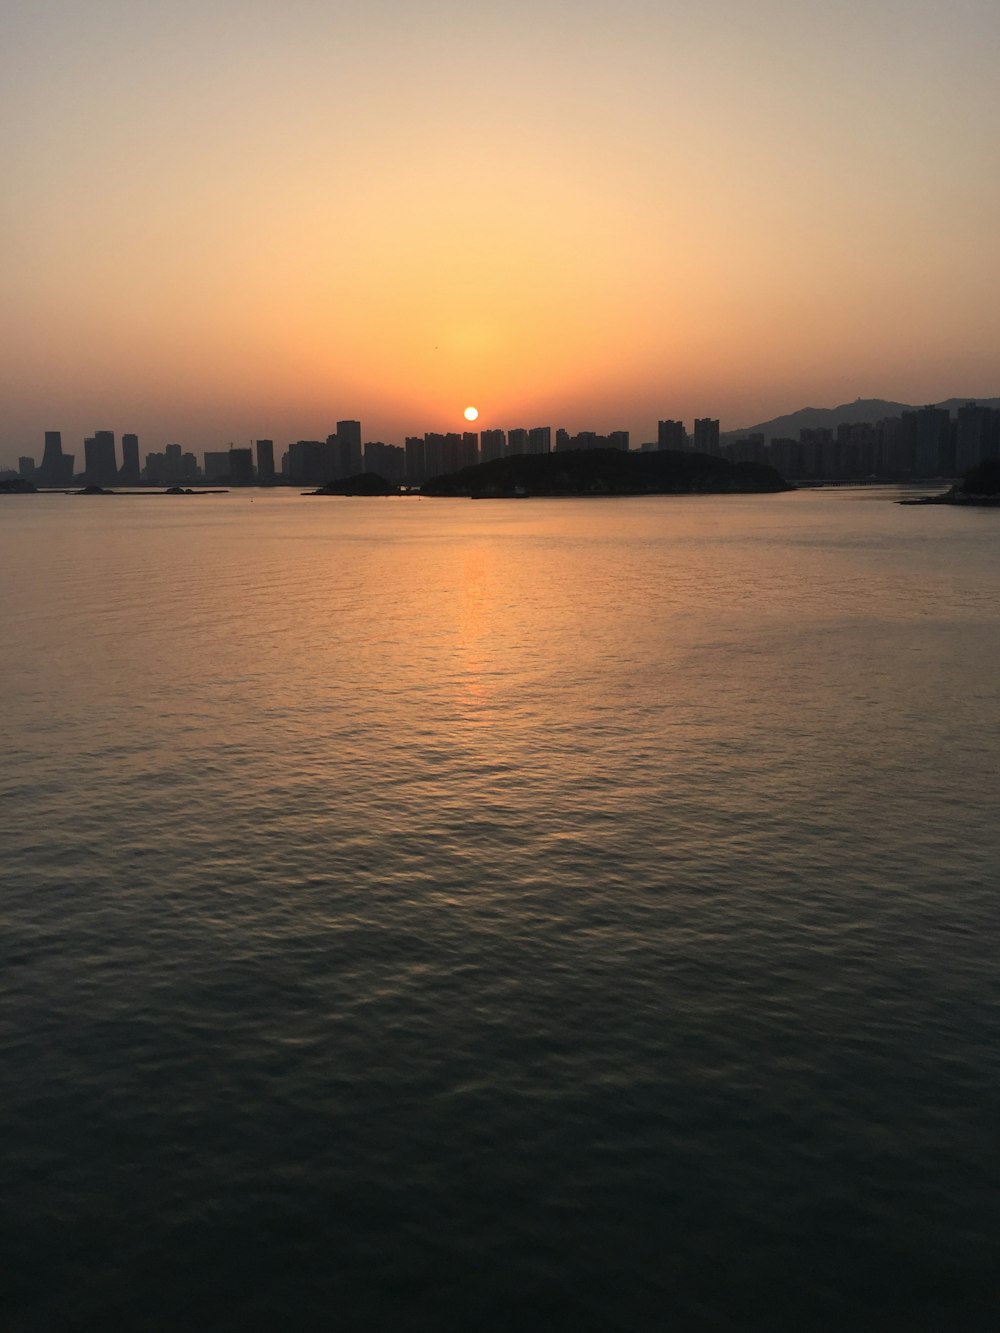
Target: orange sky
256	220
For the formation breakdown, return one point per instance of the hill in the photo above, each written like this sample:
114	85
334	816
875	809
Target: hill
862	409
607	472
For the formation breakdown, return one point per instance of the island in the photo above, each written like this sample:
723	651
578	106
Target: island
596	472
980	486
365	483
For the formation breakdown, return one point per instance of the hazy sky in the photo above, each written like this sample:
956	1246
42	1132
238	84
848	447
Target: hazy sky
233	218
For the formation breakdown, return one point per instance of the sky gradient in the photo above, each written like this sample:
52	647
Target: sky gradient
251	219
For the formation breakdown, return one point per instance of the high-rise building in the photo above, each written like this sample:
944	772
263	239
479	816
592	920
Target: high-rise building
785	455
173	464
468	455
452	451
434	451
890	461
540	440
56	467
492	444
706	435
671	435
933	439
517	441
312	461
100	462
241	466
974	436
216	464
386	460
53	449
26	468
129	474
415	460
349	445
749	449
817	451
265	462
344	456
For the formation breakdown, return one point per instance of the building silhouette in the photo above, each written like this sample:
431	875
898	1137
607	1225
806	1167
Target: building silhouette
265	462
387	460
130	474
56	468
589	439
241	466
434	461
173	466
469	450
706	435
310	462
933	426
976	436
671	435
216	464
100	465
493	444
416	468
348	439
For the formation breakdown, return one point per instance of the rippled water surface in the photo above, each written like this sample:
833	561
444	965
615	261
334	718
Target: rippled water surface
427	915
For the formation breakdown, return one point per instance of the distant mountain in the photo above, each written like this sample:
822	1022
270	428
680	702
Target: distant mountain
862	409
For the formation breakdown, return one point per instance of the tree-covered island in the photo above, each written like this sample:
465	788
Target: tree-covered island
608	472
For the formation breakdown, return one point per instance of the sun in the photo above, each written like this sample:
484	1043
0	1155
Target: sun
471	413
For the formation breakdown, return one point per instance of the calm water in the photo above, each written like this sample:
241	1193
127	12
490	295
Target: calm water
427	915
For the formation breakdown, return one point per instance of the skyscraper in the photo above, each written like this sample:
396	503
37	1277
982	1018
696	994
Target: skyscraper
100	464
265	462
57	467
349	444
492	444
706	435
129	474
469	452
415	460
216	464
241	466
671	435
975	436
933	430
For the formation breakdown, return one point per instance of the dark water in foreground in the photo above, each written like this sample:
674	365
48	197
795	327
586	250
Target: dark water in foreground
423	915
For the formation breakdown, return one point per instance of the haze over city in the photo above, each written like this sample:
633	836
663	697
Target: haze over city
252	220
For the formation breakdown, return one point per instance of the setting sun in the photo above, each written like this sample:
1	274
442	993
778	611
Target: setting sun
471	413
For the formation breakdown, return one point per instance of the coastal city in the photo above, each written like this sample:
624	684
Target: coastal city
927	442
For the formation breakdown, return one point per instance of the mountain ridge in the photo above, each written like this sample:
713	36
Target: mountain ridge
862	409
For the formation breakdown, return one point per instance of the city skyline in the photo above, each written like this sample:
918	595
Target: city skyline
895	442
75	440
219	223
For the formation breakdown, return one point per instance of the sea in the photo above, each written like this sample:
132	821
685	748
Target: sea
568	914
